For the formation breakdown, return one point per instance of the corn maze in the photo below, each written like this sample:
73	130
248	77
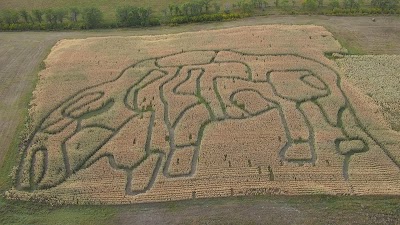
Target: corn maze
211	122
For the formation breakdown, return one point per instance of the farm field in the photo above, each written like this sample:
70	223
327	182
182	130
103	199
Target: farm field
386	69
358	40
117	120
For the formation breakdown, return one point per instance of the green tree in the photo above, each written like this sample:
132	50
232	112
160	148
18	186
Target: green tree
334	4
217	7
320	3
10	16
177	10
352	4
92	17
74	12
60	15
227	8
245	6
385	4
257	3
171	8
38	15
206	4
144	16
131	16
284	4
185	7
50	16
310	5
25	15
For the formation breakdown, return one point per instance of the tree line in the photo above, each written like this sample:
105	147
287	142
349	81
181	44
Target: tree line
375	6
186	12
48	19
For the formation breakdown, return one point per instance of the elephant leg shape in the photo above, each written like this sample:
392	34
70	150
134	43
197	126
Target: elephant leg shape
300	147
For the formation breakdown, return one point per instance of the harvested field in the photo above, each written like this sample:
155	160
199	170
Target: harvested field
378	76
121	120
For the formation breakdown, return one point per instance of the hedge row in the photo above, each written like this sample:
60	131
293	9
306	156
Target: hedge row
206	18
130	16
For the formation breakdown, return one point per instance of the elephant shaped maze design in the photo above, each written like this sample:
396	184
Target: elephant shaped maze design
153	116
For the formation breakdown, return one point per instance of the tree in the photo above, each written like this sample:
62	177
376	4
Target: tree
227	8
334	4
310	5
74	12
196	7
352	4
130	16
25	15
247	7
217	7
206	4
92	17
186	8
276	3
257	3
50	16
38	15
60	15
320	3
177	10
10	16
171	8
144	16
385	4
285	4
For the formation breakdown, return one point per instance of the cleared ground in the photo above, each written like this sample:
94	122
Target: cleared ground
366	36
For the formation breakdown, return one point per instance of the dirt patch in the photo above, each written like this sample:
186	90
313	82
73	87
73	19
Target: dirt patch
260	210
225	213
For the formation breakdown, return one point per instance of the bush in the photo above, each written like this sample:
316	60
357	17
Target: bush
131	16
205	18
37	15
92	17
10	16
154	22
310	5
385	4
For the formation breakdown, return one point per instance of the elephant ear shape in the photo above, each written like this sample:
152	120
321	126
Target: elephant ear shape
187	58
297	85
252	102
72	109
314	82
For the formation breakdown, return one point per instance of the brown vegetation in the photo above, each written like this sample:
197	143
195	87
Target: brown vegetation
242	111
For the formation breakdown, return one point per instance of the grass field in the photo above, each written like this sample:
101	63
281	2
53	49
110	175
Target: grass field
365	37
